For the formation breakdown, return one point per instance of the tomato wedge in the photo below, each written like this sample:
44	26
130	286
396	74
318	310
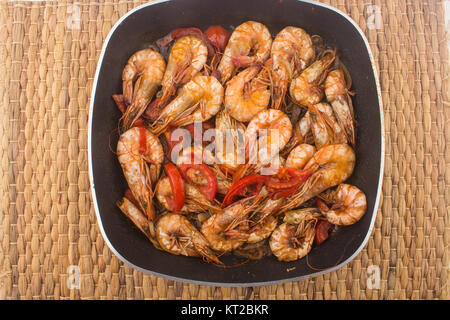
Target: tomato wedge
218	36
129	195
287	178
175	202
201	176
255	180
120	102
322	231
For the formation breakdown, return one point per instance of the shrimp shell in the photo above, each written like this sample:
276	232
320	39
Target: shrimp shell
141	164
324	126
219	229
247	37
341	102
187	57
349	205
292	242
292	50
199	100
242	101
147	66
177	235
331	166
300	155
229	140
279	131
139	219
306	89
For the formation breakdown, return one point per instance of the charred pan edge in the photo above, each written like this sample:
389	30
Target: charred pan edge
250	284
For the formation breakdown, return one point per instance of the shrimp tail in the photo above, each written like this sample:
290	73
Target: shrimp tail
139	219
242	61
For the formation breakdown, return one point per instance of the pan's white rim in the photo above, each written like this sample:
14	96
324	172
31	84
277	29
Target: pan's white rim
91	175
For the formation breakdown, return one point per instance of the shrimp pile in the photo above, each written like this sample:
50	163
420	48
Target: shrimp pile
238	143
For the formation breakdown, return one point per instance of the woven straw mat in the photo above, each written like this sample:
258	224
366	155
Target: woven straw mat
47	219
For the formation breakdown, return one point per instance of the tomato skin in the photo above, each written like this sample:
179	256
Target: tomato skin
218	36
322	231
209	189
154	109
177	185
282	184
237	189
287	178
142	139
129	195
120	102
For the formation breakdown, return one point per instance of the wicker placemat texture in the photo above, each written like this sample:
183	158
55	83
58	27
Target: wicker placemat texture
47	220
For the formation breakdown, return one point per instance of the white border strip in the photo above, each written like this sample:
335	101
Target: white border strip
91	175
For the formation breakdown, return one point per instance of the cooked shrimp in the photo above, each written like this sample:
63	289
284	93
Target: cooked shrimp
324	126
187	57
266	134
300	155
199	100
178	236
261	222
245	98
301	134
292	51
217	228
195	201
272	125
248	37
140	154
147	66
214	228
293	239
339	97
306	89
260	231
331	166
139	219
229	141
348	205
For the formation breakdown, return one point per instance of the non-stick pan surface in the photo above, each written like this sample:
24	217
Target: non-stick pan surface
147	23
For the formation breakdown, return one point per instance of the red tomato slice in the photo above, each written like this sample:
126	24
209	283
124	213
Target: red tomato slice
142	139
129	195
177	185
253	180
209	187
287	178
322	231
120	102
218	36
